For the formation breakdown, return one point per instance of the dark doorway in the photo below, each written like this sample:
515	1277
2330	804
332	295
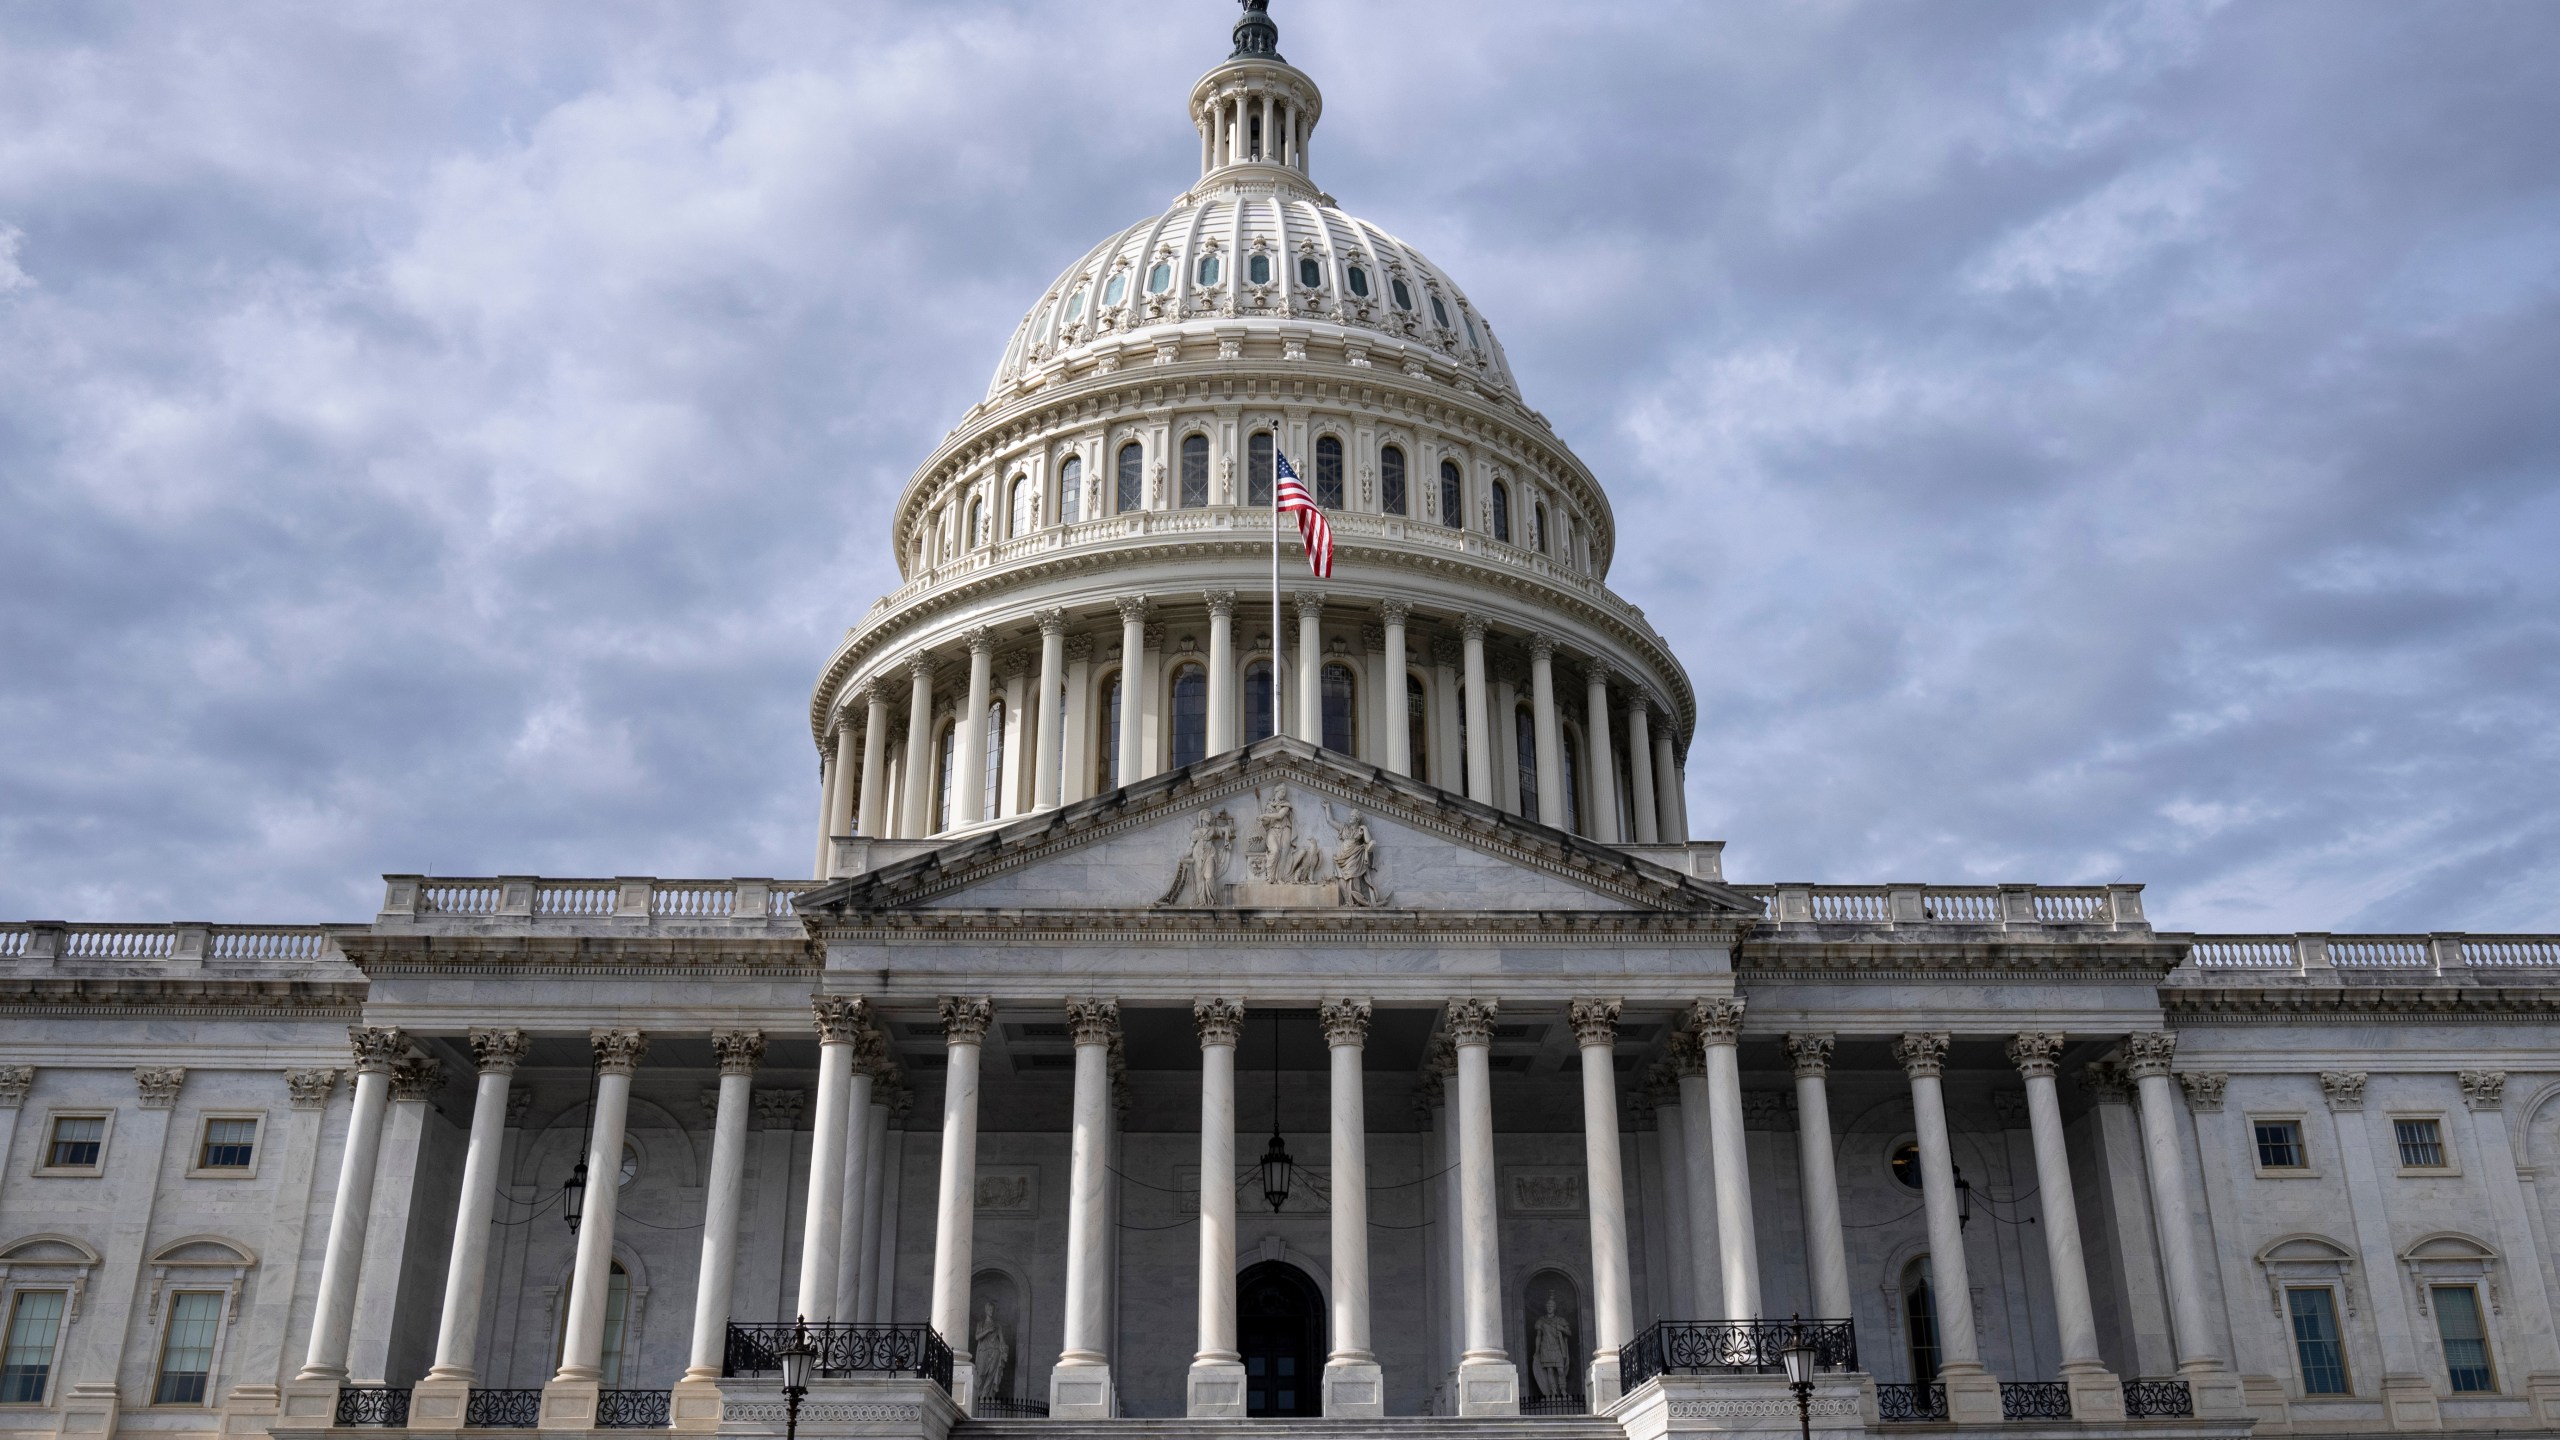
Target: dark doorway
1280	1329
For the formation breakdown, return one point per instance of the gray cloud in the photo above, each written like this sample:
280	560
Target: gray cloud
2067	443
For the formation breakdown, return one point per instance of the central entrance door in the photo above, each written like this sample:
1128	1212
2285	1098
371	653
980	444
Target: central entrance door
1280	1329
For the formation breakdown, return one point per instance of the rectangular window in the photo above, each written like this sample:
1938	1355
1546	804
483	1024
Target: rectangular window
2421	1144
26	1362
76	1143
2279	1144
2315	1341
2466	1343
228	1144
186	1352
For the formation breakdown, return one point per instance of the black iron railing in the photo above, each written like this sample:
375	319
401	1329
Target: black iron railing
373	1404
2035	1400
503	1410
1909	1403
1555	1405
1757	1345
2158	1400
1007	1407
842	1350
631	1410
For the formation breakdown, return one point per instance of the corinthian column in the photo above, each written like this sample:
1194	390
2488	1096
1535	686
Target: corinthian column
1641	802
1488	1383
2215	1389
1666	779
2096	1394
378	1052
696	1403
1133	688
1718	1025
1548	736
964	1034
1973	1397
1354	1387
870	1057
571	1400
840	1020
871	814
1392	704
1222	673
1698	1157
1310	666
918	803
969	736
840	799
1216	1389
437	1401
1826	1248
1602	782
1595	1031
1080	1386
1479	713
1046	728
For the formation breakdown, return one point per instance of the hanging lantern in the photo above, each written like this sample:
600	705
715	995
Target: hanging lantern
573	1195
1275	1172
1964	1201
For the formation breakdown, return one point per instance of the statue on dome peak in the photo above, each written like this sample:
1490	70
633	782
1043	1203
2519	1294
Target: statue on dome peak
1256	37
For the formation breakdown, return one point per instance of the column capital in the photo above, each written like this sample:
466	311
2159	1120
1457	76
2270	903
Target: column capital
1444	651
1218	1021
779	1109
378	1048
498	1051
880	690
1662	1084
2148	1053
1093	1022
618	1052
1811	1052
2343	1089
1394	611
1441	1059
871	1053
1717	1021
1921	1052
16	1080
309	1089
1595	1022
920	666
2204	1089
1471	1021
1308	604
1346	1023
1133	609
159	1085
1684	1055
1222	603
2483	1089
739	1051
417	1078
2036	1053
839	1018
965	1019
981	640
2106	1083
1053	621
1542	647
1079	647
1597	673
1473	626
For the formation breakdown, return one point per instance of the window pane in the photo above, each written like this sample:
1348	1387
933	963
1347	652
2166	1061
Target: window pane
1920	1318
1524	732
1208	269
1160	278
228	1144
1257	465
1572	817
987	807
2421	1143
1133	480
1071	490
1439	312
1258	269
1329	473
1257	701
76	1139
1359	280
1391	480
1501	512
1417	724
1118	287
942	779
1310	273
1110	746
2315	1341
1190	715
1452	498
2279	1144
186	1355
1337	708
35	1322
2466	1344
1195	471
1018	521
1404	297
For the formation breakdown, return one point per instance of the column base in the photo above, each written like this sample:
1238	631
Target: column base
964	1384
438	1404
2096	1393
92	1408
1973	1395
571	1404
1601	1382
309	1405
1215	1390
1080	1390
1486	1388
692	1405
2219	1395
2408	1403
1354	1390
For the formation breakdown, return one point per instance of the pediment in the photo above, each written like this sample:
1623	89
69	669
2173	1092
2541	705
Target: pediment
1284	826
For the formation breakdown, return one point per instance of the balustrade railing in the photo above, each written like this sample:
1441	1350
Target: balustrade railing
459	897
103	943
693	899
1966	907
2518	952
502	1410
1008	1407
576	897
2242	952
384	1405
1555	1405
1906	1404
842	1350
2158	1400
2035	1400
2071	907
2398	952
631	1410
1673	1346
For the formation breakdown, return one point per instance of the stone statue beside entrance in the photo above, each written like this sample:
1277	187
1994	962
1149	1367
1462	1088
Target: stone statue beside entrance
1551	1352
991	1350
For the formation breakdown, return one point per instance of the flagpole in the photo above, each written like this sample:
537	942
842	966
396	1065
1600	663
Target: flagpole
1278	663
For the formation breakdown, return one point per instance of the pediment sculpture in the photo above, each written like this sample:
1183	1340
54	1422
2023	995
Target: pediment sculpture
1284	869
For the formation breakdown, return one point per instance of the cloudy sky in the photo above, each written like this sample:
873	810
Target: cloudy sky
2066	442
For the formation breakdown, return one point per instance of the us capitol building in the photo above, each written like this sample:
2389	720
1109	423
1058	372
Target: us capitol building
1143	1059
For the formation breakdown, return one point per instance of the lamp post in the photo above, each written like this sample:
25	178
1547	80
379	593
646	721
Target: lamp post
795	1358
1799	1357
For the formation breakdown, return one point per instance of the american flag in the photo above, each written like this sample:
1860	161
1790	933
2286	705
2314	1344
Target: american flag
1291	494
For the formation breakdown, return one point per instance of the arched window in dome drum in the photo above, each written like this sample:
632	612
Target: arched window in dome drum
977	522
1107	745
1417	724
1310	273
1257	701
942	757
1195	471
1071	490
1501	512
1538	528
1257	268
1208	269
1439	312
1018	516
1572	756
1116	288
1524	736
1453	497
1160	277
987	806
1404	297
1253	135
1257	466
1391	481
1337	694
1190	715
1329	473
1133	478
1358	280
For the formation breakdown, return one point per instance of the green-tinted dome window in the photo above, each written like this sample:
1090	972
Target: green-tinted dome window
1358	280
1404	297
1439	312
1258	270
1116	289
1208	269
1310	274
1160	279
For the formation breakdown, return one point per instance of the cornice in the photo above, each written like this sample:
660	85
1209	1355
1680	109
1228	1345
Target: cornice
2412	1004
191	996
1254	927
778	956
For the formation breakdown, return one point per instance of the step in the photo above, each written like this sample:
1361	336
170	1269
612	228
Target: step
1394	1427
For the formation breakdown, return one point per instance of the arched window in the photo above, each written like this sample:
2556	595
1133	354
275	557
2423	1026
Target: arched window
1209	269
1190	715
987	806
1257	268
942	779
1070	490
1107	768
1417	724
1133	478
1920	1321
1501	512
1018	517
1257	466
1572	817
1329	473
617	1326
1257	701
1538	528
1453	498
1391	481
977	522
1524	734
1336	694
1358	279
1310	273
1195	471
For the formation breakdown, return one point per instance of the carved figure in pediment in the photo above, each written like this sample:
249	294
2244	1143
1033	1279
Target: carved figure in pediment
1200	876
1285	859
1355	863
